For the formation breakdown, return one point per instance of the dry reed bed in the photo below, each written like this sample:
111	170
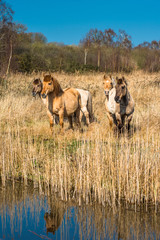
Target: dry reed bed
93	165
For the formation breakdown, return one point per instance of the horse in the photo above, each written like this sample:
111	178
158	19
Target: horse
36	90
110	104
124	103
86	101
55	217
61	103
86	105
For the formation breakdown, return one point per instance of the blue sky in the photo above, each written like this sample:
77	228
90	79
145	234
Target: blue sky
69	21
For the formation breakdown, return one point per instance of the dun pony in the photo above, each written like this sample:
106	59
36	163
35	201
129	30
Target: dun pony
59	102
86	101
36	90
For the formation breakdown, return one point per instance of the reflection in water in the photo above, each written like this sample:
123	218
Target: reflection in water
55	217
24	214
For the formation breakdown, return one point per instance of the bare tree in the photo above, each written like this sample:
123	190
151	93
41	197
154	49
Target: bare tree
96	37
124	40
108	37
86	43
6	17
155	45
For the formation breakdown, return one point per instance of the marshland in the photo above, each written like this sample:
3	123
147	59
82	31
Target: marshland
94	165
100	181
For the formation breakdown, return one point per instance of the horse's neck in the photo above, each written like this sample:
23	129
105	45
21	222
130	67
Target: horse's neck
111	104
128	103
44	100
111	95
126	99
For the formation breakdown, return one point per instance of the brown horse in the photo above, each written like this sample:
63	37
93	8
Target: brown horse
110	104
36	90
54	218
59	102
124	103
37	87
86	101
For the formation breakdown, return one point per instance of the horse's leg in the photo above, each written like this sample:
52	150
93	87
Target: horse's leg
119	120
110	118
78	117
61	118
129	118
86	113
70	122
51	119
56	119
108	114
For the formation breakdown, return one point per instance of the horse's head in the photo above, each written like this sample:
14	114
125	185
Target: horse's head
121	89
51	222
50	84
37	87
108	83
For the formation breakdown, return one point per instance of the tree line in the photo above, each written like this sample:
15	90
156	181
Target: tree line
106	50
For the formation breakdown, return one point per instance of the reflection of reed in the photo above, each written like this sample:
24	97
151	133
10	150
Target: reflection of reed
98	222
16	201
123	224
94	221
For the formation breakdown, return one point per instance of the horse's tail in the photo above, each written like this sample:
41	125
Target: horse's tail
79	100
89	107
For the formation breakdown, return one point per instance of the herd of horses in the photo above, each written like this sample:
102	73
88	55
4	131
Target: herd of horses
61	103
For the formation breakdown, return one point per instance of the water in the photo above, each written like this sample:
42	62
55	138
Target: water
26	214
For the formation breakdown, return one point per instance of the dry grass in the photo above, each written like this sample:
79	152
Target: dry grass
93	165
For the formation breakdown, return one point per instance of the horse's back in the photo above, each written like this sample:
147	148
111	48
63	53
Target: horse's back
72	100
84	96
130	107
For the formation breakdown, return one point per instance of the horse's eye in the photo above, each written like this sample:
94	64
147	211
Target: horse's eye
49	83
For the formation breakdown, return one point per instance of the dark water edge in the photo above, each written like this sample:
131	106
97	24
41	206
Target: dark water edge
27	214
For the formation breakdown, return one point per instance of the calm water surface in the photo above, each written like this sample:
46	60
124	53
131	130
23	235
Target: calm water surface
26	214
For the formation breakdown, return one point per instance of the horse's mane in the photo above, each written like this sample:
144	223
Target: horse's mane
37	81
121	80
57	87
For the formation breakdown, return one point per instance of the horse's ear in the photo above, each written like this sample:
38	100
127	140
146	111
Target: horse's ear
124	80
104	76
119	80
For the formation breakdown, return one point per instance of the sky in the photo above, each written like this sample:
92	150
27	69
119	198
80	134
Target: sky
69	21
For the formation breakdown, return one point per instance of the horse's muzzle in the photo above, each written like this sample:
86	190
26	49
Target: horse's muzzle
106	93
117	99
44	95
33	94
